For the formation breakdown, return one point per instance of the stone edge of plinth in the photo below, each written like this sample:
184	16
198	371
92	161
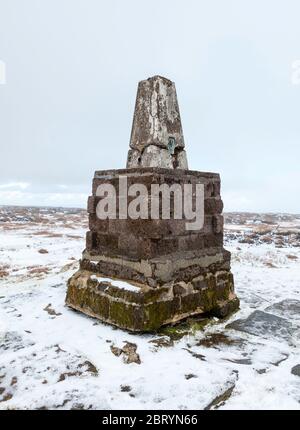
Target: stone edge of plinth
149	309
154	170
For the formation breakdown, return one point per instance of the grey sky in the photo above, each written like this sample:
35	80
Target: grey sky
72	68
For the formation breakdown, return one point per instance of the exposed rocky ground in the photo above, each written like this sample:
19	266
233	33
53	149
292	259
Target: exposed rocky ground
53	357
281	230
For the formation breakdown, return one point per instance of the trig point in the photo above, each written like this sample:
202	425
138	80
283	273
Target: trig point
140	273
156	136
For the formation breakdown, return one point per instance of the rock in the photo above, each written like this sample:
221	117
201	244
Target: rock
296	370
125	388
51	311
261	371
292	257
116	351
82	368
246	240
267	239
263	324
90	367
130	354
287	307
132	358
216	339
195	354
163	341
43	251
246	361
14	380
190	376
270	264
226	308
221	399
38	271
4	273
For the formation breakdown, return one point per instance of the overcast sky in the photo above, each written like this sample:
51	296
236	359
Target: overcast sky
72	68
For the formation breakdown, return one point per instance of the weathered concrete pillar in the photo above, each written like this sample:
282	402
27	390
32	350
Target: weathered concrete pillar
156	136
142	273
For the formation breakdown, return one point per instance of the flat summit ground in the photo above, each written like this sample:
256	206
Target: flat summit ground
53	357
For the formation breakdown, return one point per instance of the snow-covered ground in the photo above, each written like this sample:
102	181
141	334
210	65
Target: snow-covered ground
54	357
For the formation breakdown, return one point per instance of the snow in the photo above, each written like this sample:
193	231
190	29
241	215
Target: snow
53	357
116	283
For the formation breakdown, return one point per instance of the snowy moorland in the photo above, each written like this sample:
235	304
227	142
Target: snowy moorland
52	357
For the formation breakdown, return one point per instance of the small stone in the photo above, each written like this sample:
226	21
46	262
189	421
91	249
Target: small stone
130	354
14	380
246	361
163	341
261	371
296	370
129	346
116	351
190	376
221	399
43	251
195	354
51	311
292	257
125	388
91	368
133	357
216	339
4	273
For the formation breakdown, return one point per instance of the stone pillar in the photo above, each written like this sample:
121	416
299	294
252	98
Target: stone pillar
156	136
140	274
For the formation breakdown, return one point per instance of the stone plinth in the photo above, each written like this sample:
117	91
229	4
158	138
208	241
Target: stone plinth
168	272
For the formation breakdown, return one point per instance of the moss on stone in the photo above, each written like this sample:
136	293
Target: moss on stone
126	315
190	302
208	299
99	304
226	308
190	325
158	313
155	294
150	309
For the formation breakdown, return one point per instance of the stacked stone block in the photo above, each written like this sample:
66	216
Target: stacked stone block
169	272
